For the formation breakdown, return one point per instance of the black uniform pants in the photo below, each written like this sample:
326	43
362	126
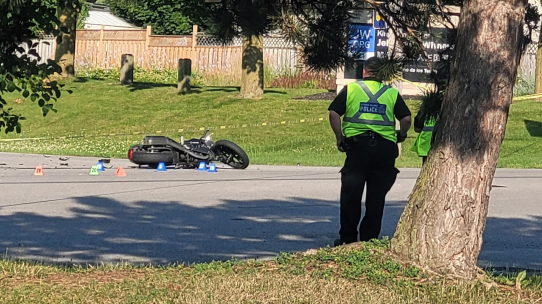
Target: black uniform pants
371	161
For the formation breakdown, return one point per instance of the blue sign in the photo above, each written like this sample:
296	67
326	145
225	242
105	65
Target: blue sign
378	21
361	44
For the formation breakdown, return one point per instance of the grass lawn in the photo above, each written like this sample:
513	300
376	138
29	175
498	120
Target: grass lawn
362	273
98	107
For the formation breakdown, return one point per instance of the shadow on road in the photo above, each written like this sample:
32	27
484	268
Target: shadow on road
98	229
102	229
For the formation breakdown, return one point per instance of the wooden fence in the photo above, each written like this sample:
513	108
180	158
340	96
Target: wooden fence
527	67
45	48
103	49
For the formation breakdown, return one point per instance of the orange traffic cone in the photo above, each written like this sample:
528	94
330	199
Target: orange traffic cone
120	172
39	171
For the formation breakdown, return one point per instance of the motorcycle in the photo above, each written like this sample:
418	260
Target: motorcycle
187	154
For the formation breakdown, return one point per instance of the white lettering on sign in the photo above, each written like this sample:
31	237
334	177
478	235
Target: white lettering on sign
435	46
366	33
382	43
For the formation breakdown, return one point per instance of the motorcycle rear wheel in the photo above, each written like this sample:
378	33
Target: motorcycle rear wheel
152	159
230	154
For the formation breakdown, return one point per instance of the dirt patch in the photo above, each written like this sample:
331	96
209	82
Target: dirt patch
78	279
320	96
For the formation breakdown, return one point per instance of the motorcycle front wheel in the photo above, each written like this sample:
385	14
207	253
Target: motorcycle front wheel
230	154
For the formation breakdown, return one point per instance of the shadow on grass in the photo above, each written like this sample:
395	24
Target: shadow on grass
138	86
199	90
534	128
271	91
82	79
227	89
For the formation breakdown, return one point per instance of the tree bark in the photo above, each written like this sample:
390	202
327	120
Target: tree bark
538	71
68	11
252	62
442	225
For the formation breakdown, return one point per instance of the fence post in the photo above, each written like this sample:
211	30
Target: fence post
194	42
184	73
127	69
101	48
147	46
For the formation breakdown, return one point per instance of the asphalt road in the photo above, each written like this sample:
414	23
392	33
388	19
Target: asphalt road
191	216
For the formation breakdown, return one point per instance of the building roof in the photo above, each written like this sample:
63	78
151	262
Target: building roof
99	15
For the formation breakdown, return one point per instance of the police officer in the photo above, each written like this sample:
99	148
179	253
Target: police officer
422	144
367	134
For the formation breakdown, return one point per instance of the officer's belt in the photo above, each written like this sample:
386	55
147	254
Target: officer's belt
365	134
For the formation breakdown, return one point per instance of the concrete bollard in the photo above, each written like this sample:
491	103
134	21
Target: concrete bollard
127	69
184	74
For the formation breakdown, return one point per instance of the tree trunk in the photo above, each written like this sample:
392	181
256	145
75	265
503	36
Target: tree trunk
538	71
68	11
442	225
252	77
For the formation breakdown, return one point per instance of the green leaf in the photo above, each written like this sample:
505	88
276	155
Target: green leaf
18	128
11	87
34	96
41	102
26	93
46	97
521	276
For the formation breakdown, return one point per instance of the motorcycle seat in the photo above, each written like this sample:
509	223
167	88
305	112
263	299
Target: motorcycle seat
156	140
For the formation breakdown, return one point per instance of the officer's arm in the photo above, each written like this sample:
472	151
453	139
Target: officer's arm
418	124
336	109
405	125
335	122
402	113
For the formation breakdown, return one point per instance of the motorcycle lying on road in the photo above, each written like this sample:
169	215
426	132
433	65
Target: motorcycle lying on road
187	154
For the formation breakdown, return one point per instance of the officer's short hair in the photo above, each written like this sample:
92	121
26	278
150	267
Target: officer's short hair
372	65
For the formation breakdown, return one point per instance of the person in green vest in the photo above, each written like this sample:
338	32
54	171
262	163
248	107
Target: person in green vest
368	136
422	144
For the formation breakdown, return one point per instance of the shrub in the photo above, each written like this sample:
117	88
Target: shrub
524	86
